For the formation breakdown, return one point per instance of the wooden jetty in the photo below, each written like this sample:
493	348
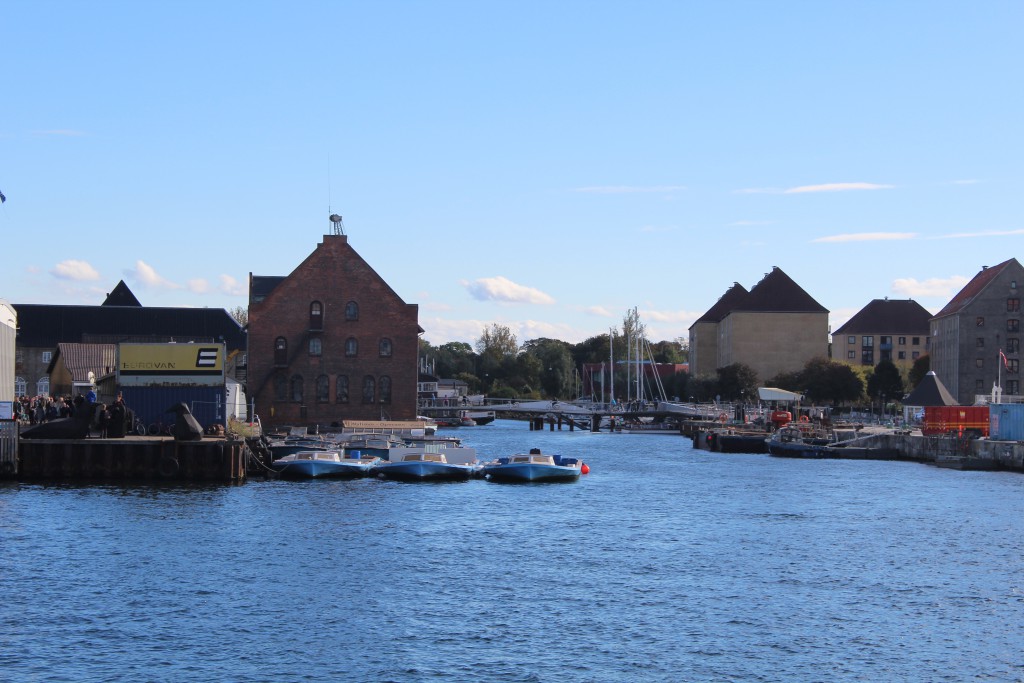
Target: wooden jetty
132	458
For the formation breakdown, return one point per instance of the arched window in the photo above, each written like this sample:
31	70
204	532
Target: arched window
20	386
315	346
351	346
297	388
280	387
280	351
385	389
323	389
369	389
316	316
351	311
43	386
385	348
341	389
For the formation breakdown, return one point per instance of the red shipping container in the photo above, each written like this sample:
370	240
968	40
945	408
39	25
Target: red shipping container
958	419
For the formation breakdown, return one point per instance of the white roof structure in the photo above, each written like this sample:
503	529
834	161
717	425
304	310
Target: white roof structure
773	394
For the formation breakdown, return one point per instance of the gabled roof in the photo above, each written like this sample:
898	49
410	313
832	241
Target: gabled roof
45	325
895	316
732	298
81	359
975	287
778	293
121	296
930	392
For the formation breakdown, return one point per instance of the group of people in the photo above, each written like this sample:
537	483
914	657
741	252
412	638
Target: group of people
40	409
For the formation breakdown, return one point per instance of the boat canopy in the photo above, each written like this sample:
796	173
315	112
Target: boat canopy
773	394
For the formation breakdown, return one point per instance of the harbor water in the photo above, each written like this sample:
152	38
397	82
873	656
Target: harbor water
662	564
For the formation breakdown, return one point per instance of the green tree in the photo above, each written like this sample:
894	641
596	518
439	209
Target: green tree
497	340
557	371
736	381
886	381
668	352
832	382
918	370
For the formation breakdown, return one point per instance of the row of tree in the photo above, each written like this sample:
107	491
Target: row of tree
550	368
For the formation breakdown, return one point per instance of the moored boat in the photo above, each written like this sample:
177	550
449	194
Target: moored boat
321	464
533	467
420	465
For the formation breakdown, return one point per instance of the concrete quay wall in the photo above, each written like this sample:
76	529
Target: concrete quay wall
940	450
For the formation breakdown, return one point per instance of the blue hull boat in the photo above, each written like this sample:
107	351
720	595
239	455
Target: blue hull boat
534	467
425	466
321	464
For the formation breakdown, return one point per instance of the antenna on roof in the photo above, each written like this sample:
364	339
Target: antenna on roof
337	227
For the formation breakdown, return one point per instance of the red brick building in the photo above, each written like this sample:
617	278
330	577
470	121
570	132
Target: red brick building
331	341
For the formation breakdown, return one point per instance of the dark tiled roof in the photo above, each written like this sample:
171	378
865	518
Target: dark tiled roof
777	292
262	285
896	316
974	288
729	301
930	392
81	359
43	325
121	296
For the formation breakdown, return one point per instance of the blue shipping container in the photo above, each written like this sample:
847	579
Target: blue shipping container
150	404
1006	421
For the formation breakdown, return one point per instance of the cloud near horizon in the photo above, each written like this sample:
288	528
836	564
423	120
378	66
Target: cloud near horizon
502	289
866	237
198	286
73	269
825	187
231	286
146	275
937	287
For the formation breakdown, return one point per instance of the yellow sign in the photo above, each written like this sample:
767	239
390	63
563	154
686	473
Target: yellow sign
170	364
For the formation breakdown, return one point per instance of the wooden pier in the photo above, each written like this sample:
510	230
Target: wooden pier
132	458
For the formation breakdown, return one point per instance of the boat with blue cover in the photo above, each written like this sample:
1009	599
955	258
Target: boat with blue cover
420	465
321	464
534	467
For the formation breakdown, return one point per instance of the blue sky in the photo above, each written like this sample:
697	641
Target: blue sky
546	166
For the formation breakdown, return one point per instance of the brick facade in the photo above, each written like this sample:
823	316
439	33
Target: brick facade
332	321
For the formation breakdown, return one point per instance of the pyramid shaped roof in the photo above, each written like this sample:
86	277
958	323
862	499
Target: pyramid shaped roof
896	316
930	392
777	292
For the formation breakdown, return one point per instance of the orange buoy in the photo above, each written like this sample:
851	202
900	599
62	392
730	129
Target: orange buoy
585	469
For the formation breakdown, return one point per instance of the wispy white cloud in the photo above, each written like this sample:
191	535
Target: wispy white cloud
504	290
631	189
837	187
804	189
686	317
198	286
73	269
146	275
980	233
232	286
964	182
866	237
599	311
937	287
